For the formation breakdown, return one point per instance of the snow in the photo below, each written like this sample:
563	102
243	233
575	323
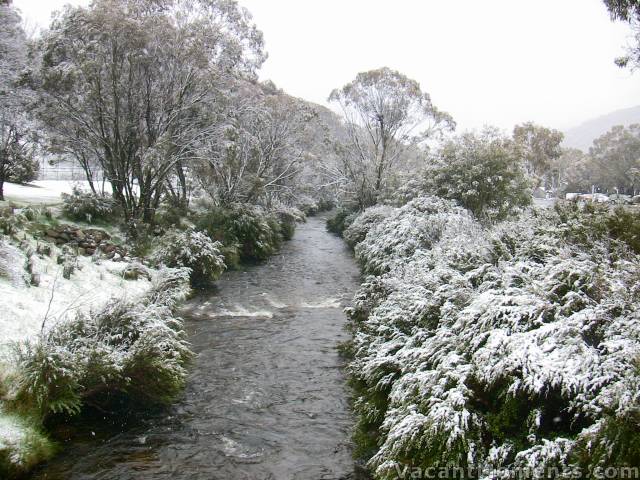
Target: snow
457	315
44	191
91	286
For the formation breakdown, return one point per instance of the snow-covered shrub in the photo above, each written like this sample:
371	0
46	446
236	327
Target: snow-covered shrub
87	206
132	350
417	225
253	231
22	445
357	231
288	217
340	220
502	348
482	172
407	190
11	222
11	263
308	205
593	223
194	250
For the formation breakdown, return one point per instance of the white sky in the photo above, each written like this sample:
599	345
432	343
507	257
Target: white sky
498	62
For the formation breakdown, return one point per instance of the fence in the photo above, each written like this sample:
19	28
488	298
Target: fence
65	170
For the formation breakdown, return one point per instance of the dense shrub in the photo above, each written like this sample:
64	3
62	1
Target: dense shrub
340	220
194	250
308	206
593	223
87	206
357	231
170	215
133	349
503	348
288	218
483	173
254	232
22	445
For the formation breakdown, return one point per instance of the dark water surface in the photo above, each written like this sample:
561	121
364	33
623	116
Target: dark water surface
266	398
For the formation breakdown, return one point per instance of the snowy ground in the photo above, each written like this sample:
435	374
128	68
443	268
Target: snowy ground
24	307
44	191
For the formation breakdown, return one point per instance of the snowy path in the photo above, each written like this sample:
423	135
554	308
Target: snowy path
266	398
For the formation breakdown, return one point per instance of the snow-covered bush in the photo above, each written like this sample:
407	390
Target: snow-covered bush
503	348
192	249
482	172
340	220
253	231
11	222
417	225
308	205
132	350
593	223
357	231
22	445
87	206
288	217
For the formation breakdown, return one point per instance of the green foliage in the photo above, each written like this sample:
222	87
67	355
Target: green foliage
170	216
256	233
136	350
483	173
11	222
287	220
87	206
24	448
340	220
194	250
594	223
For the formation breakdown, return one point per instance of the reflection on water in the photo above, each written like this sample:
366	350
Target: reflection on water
266	398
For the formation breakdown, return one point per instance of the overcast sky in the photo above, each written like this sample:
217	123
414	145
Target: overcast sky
498	62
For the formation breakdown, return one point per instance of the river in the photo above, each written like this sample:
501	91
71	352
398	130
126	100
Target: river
267	395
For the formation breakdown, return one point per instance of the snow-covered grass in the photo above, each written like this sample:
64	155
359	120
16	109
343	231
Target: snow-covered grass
493	348
22	445
92	285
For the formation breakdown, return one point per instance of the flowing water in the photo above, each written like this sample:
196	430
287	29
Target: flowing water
266	398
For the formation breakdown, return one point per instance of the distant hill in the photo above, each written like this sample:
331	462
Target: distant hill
583	135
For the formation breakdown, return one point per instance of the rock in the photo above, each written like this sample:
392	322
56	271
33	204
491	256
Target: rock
44	250
135	271
35	279
90	251
96	234
51	234
82	251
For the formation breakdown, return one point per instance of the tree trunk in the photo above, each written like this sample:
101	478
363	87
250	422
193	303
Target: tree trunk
1	188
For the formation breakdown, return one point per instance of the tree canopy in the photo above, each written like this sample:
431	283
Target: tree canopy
385	112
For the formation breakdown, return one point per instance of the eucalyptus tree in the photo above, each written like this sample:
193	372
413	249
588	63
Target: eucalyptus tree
615	160
124	81
255	146
627	11
385	112
17	162
540	149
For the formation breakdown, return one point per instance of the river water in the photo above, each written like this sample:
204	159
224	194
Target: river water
266	398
